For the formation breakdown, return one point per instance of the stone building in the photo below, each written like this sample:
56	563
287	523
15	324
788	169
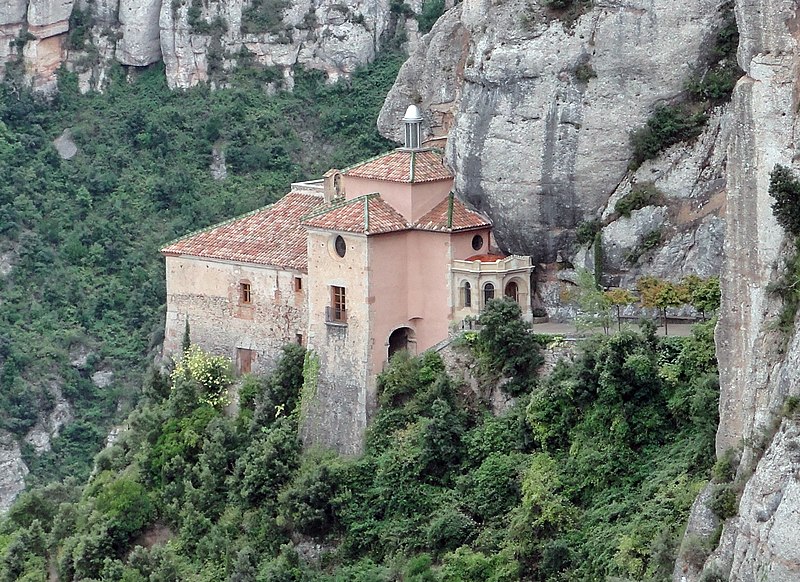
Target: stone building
377	258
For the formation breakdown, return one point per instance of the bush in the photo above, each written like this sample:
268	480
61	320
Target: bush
642	194
506	345
430	13
586	230
668	125
211	374
725	502
784	187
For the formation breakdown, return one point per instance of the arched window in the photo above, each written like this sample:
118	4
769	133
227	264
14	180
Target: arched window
488	293
512	291
466	298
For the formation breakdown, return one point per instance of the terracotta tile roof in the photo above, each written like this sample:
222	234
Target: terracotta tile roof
462	217
486	258
368	214
403	166
272	235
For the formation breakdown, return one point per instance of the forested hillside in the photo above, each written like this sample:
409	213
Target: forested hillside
590	474
82	284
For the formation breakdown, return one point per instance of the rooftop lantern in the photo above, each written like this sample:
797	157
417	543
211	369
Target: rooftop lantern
413	122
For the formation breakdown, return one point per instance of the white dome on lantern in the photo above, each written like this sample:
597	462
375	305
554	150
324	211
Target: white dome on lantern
412	114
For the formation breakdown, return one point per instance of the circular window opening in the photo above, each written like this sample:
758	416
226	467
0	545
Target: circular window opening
340	246
477	242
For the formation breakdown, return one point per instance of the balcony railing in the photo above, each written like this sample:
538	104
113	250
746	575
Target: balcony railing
335	315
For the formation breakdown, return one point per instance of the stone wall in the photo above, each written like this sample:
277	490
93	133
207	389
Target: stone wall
339	394
208	294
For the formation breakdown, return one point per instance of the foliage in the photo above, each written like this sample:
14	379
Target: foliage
588	477
597	249
586	231
585	72
707	87
212	375
506	345
642	194
592	302
430	13
668	125
83	234
661	294
263	16
618	298
716	83
784	187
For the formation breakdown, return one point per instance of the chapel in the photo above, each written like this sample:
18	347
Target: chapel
360	264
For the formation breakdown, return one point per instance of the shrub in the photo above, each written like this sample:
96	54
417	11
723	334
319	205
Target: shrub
668	125
505	345
725	502
263	16
211	374
642	194
784	187
585	72
586	230
430	13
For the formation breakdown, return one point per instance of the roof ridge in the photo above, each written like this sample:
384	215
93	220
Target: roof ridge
234	219
325	209
368	160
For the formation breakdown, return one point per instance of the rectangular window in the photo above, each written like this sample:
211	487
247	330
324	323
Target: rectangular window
298	283
337	312
299	338
244	293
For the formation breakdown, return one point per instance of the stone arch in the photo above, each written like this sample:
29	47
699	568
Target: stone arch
399	340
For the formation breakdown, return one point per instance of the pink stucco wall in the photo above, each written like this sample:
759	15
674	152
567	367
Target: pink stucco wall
462	243
409	287
413	201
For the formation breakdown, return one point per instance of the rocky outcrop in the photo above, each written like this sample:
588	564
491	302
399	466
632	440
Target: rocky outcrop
47	429
140	42
12	471
763	541
198	41
542	109
758	362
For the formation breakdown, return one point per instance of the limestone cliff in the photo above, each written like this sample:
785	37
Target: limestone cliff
198	40
759	363
539	110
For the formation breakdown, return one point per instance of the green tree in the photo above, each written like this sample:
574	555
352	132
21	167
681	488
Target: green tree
594	305
662	295
505	344
784	187
618	298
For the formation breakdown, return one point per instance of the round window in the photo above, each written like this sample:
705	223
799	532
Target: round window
340	246
477	242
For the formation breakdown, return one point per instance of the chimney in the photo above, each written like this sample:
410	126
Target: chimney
332	185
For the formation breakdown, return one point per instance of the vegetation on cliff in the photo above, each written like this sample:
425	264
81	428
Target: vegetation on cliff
590	474
84	290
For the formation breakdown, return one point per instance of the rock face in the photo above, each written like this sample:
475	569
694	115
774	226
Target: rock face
542	109
12	471
198	41
763	541
759	363
46	429
140	44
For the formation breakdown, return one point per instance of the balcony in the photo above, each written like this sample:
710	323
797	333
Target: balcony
335	316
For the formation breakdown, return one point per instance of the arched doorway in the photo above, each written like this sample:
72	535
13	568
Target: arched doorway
512	291
488	293
399	340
